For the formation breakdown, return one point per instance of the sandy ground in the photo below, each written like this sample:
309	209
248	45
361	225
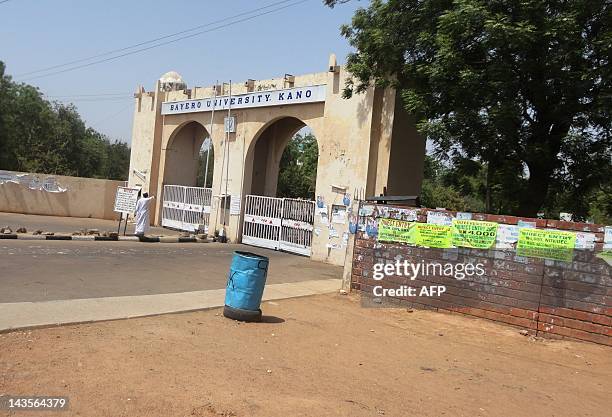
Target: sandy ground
314	356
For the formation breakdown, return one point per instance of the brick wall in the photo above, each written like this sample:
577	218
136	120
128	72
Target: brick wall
547	297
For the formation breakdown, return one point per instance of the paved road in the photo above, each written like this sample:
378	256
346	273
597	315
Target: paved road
60	270
68	224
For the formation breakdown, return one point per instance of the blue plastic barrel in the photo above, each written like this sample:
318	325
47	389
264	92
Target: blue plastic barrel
246	281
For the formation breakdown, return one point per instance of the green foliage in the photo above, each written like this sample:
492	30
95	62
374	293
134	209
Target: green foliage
460	184
298	168
50	138
521	85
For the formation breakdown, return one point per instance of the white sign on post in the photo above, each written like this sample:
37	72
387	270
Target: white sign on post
235	205
125	199
230	124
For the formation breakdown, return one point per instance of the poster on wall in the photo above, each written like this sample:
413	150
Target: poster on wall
440	218
338	214
507	236
585	240
235	205
32	181
546	244
608	237
463	216
409	215
366	210
432	235
473	233
371	227
391	230
353	223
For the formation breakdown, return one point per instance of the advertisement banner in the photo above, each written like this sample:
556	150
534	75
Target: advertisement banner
547	244
474	233
432	235
391	230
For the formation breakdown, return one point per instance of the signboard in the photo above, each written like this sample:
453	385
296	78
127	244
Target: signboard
391	230
547	244
229	124
474	234
295	95
125	199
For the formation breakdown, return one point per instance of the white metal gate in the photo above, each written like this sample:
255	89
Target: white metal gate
262	221
279	223
296	226
186	208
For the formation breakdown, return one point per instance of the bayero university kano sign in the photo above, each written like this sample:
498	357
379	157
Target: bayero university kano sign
295	95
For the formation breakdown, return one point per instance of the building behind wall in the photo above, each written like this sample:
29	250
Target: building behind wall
366	143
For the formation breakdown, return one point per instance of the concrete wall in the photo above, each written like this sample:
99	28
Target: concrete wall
86	197
548	297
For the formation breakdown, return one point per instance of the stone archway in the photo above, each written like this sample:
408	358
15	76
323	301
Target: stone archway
264	155
367	145
182	154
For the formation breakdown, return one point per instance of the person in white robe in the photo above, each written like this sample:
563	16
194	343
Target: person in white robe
143	206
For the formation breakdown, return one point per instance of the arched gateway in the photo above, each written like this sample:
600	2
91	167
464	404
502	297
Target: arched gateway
366	144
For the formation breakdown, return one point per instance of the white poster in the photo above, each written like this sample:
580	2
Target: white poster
438	217
338	214
585	240
608	237
507	236
235	205
464	216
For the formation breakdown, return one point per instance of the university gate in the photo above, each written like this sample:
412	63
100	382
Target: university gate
279	223
367	144
186	208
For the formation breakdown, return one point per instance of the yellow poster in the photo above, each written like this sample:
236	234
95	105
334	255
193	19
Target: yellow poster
391	230
431	235
548	244
474	233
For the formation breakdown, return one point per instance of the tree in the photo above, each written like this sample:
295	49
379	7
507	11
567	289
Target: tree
51	138
519	85
298	168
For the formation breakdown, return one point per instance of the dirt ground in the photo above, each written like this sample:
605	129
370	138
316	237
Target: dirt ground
314	356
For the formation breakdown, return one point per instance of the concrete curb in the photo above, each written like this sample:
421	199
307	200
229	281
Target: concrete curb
146	239
32	315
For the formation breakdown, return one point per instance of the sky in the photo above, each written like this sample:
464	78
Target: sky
37	34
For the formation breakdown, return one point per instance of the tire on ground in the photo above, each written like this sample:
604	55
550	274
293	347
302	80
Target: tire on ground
242	315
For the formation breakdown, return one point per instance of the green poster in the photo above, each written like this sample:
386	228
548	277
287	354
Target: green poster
432	235
548	244
474	233
391	230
